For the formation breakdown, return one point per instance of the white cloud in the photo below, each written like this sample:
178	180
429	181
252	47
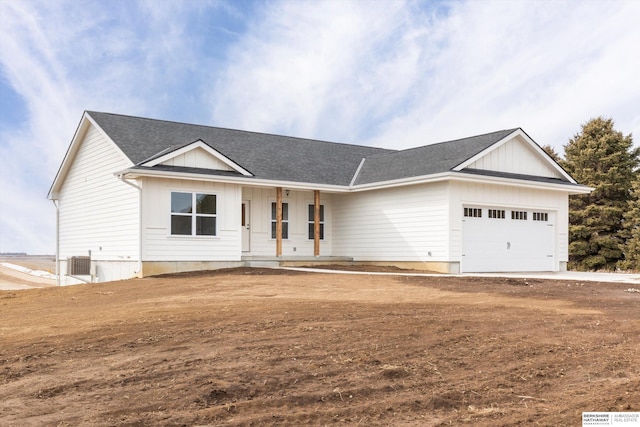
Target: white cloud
399	76
318	69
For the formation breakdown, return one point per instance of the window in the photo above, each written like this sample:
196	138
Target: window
496	213
285	220
519	215
541	216
187	221
312	219
473	212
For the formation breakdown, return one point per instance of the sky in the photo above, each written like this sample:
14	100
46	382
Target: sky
393	74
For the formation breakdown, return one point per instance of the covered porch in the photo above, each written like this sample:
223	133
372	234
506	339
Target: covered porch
281	224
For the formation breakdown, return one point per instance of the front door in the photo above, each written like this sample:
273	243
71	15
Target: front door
246	226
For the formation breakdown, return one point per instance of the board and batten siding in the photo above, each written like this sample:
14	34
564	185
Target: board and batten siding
397	224
159	245
197	158
298	243
515	156
511	197
98	212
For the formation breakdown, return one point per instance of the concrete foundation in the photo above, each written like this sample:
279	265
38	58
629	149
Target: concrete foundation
154	268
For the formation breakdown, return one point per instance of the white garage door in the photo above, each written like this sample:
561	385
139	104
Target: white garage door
502	239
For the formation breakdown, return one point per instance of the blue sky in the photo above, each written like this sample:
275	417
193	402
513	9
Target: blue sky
395	74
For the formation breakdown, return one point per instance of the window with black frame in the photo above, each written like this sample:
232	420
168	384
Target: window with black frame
312	212
285	220
193	214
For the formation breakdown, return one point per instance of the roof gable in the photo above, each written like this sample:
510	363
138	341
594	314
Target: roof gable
515	154
86	122
195	155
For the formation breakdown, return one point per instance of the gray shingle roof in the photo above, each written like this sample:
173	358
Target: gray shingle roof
426	160
266	156
283	158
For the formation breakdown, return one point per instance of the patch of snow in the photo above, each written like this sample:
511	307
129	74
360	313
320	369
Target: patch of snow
39	273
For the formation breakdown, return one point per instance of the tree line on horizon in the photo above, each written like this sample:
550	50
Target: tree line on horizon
604	226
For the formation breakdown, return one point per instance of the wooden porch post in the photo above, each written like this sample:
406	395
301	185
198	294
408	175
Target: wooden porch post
278	221
316	223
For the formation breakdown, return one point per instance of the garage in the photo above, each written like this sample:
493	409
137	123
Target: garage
507	239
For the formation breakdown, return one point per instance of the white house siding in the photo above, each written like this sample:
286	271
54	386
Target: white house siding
160	245
511	198
197	158
516	156
407	224
298	243
98	212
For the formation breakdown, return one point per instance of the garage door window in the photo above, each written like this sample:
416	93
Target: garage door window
519	215
473	212
496	213
541	216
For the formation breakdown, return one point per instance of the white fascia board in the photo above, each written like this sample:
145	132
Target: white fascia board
72	150
248	181
523	183
198	144
401	182
461	176
453	176
530	142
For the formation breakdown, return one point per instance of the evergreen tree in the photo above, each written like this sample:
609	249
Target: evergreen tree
604	159
631	231
551	152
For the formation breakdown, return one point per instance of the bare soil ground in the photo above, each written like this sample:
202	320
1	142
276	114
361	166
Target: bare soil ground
249	347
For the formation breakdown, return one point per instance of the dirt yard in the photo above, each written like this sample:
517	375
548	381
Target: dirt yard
252	347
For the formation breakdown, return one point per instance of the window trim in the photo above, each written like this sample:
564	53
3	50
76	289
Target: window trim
194	215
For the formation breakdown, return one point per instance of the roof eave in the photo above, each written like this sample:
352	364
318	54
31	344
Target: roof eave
568	187
461	176
132	173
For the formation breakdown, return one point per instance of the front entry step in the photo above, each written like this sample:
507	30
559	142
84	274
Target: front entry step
271	262
262	264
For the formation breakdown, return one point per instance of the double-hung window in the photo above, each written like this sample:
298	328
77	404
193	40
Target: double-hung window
312	216
193	214
285	220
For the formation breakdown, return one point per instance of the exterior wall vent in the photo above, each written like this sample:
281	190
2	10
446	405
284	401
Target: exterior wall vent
79	266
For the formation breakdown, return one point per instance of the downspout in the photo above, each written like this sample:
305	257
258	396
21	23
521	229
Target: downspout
123	179
57	242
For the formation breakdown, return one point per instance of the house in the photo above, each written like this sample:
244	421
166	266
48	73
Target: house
143	197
